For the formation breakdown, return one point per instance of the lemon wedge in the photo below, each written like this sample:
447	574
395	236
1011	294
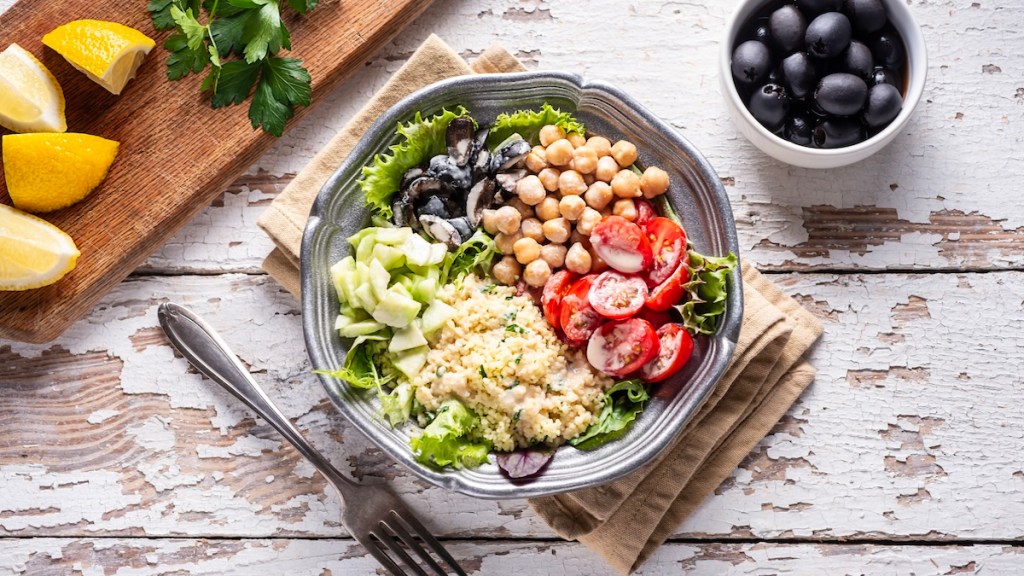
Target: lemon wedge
107	52
46	172
30	97
33	252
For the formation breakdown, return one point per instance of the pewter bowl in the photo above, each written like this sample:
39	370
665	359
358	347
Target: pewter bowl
696	194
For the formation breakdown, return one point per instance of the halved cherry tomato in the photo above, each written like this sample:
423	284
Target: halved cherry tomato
668	293
676	347
655	317
620	347
645	212
621	244
616	295
554	289
576	316
668	246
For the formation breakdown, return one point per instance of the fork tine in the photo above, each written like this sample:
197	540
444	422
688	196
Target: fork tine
416	527
388	541
398	526
372	546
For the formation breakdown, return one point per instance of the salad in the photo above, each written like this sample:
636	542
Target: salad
521	286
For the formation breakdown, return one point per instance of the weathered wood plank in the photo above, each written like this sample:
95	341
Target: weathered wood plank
944	195
911	431
147	557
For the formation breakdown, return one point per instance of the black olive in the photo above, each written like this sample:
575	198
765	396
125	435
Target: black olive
857	60
828	35
888	49
798	75
841	94
760	31
799	129
435	207
866	16
882	75
787	26
815	7
838	132
883	104
751	62
769	106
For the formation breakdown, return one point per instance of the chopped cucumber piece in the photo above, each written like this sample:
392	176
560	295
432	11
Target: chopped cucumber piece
406	338
363	328
396	309
437	253
364	252
435	316
389	256
424	290
417	251
343	274
410	362
393	236
364	298
379	278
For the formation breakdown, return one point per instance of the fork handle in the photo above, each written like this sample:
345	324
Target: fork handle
205	350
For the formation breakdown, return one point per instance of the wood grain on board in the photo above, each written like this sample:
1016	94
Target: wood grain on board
177	153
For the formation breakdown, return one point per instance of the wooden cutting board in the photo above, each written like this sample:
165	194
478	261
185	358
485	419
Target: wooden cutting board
176	152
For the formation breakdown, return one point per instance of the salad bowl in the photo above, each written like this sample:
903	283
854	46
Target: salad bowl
696	195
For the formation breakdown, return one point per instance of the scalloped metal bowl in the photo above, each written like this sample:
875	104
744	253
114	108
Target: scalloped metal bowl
696	194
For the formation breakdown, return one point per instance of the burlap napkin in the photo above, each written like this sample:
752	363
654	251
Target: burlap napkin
626	520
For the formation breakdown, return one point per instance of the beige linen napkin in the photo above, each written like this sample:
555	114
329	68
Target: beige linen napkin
626	520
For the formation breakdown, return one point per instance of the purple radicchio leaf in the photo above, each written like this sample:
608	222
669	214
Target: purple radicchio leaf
524	463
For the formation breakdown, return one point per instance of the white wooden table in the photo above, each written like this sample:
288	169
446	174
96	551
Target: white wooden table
906	456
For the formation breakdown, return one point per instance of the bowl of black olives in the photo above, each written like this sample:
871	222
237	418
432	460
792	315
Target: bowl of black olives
822	83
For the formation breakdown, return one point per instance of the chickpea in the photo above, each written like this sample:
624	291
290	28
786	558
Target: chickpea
551	133
601	145
537	273
548	208
553	254
508	220
606	169
624	153
570	207
625	208
507	270
654	182
577	139
532	228
559	152
537	160
490	221
504	242
570	183
586	222
598	195
530	189
578	259
557	230
525	210
548	178
584	159
626	184
526	250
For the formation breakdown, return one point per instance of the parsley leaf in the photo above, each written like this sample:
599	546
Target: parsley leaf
235	83
160	10
265	33
284	83
183	59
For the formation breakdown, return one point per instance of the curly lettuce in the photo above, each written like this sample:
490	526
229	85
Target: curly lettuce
420	140
527	123
477	252
622	403
361	361
445	440
706	291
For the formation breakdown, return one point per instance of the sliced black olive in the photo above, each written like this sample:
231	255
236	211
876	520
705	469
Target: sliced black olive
883	104
769	106
842	94
751	62
828	35
866	16
787	26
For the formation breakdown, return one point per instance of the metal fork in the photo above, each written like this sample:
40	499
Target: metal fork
373	514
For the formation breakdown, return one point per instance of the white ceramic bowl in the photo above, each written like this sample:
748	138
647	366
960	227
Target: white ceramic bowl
781	149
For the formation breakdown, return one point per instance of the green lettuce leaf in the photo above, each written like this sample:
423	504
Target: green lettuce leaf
420	139
527	123
622	403
478	251
706	291
396	406
445	442
360	368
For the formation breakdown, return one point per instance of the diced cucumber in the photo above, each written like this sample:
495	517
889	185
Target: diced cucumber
364	251
417	251
343	274
424	290
410	362
406	338
435	316
395	309
389	256
401	290
437	253
379	279
364	298
393	236
362	328
356	238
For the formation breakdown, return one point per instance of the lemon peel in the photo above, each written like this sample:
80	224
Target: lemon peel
33	252
47	172
31	100
108	53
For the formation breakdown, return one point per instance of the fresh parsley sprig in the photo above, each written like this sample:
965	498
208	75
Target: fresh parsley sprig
253	32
